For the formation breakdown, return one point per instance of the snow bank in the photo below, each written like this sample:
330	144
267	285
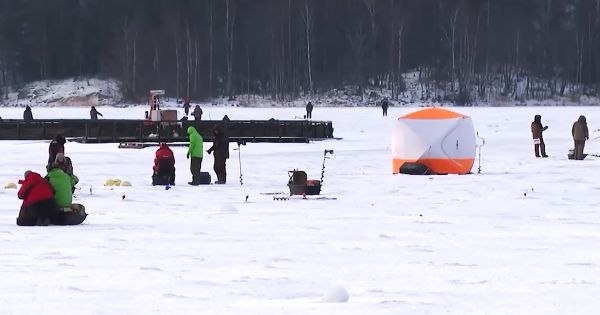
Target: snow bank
71	92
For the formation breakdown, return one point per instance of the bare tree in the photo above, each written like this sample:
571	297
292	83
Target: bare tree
307	15
357	36
230	13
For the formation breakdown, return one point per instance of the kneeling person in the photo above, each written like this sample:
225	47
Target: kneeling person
164	166
38	205
62	183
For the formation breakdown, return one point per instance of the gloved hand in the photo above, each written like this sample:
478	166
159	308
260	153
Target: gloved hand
545	127
187	155
587	138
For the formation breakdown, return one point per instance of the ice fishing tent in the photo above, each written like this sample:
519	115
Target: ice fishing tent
433	141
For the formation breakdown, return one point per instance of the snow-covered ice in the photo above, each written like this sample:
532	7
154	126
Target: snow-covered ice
520	238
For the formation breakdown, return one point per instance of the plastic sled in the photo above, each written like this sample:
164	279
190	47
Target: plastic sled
299	185
76	216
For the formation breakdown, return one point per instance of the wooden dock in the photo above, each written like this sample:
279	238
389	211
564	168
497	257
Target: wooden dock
142	131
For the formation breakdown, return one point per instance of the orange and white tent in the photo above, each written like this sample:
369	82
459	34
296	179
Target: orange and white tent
442	140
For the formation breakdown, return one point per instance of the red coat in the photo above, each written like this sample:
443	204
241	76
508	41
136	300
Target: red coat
164	152
34	188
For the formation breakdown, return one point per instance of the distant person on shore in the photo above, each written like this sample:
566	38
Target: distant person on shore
94	113
309	109
186	106
580	135
384	106
27	114
538	140
197	113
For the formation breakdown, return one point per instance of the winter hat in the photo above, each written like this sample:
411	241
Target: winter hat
27	172
60	139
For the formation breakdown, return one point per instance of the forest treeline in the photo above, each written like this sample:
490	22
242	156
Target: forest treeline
463	50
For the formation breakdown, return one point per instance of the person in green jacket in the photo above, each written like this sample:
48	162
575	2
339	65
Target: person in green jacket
62	183
195	151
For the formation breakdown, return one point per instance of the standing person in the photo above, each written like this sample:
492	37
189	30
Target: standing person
94	113
197	113
309	109
38	205
164	166
195	152
27	114
384	106
186	106
56	146
221	149
580	135
537	129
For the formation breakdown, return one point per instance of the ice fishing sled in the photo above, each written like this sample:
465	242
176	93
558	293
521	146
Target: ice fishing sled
76	216
300	185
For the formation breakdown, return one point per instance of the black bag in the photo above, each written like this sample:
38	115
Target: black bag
415	169
205	178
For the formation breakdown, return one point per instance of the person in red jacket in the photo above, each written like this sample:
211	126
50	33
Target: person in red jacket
164	166
38	205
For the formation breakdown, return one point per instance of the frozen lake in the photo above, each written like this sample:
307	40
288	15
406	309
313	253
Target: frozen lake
521	237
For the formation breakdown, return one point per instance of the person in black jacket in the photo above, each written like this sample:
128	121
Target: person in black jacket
94	113
27	114
56	146
197	113
384	106
221	149
309	109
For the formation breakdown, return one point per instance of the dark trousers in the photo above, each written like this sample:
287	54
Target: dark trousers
578	152
540	147
164	177
384	112
195	167
308	114
220	169
39	213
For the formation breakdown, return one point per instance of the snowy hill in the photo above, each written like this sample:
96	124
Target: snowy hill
106	92
72	92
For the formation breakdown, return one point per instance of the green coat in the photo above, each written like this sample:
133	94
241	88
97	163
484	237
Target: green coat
196	148
63	184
